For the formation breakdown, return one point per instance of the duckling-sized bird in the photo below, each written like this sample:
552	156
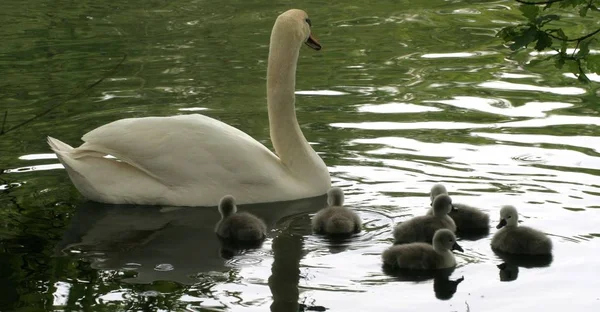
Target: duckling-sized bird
422	228
468	219
336	220
239	227
422	256
515	239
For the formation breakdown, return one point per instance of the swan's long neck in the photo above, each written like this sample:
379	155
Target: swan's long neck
287	138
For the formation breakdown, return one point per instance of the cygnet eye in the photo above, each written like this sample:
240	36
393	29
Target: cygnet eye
508	217
308	21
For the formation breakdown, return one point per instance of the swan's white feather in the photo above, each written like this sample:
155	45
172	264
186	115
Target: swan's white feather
185	160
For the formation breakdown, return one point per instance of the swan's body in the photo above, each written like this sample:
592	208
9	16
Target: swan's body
239	227
423	228
468	219
422	256
336	219
193	160
522	240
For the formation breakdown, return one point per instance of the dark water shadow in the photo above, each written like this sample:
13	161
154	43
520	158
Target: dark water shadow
509	269
167	243
443	287
525	261
508	272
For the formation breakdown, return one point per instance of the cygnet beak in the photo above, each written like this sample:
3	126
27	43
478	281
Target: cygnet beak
501	224
456	246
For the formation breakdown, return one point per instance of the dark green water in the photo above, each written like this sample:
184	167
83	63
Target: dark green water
404	94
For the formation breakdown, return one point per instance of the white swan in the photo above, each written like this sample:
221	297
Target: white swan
194	160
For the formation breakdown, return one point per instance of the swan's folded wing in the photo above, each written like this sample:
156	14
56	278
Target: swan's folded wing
184	149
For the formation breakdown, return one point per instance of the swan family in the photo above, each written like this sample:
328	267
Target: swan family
195	160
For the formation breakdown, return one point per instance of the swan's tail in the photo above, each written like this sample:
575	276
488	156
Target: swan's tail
339	225
58	146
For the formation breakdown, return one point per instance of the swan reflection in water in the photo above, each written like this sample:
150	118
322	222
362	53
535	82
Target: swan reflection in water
443	287
177	244
509	269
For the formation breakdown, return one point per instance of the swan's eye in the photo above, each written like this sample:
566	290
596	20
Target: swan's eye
308	21
508	217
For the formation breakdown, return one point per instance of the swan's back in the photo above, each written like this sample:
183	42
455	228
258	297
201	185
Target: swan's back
205	166
469	219
242	227
522	240
421	229
419	256
423	256
336	220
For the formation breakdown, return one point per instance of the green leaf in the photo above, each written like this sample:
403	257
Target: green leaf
507	33
583	78
563	47
572	66
583	10
592	63
544	19
526	37
530	11
543	41
572	3
584	49
560	61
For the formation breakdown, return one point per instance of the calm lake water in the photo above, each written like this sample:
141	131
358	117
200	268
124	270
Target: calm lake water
403	95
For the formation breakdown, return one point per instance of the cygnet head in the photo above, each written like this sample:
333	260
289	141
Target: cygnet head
442	205
445	239
295	23
508	216
335	196
436	190
227	206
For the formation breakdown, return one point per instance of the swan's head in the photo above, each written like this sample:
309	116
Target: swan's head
442	204
508	216
227	206
299	25
436	190
445	239
335	196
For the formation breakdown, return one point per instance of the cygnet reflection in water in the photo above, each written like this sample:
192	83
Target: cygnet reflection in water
508	272
443	287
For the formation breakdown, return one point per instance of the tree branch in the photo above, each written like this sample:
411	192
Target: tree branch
70	98
576	39
538	2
